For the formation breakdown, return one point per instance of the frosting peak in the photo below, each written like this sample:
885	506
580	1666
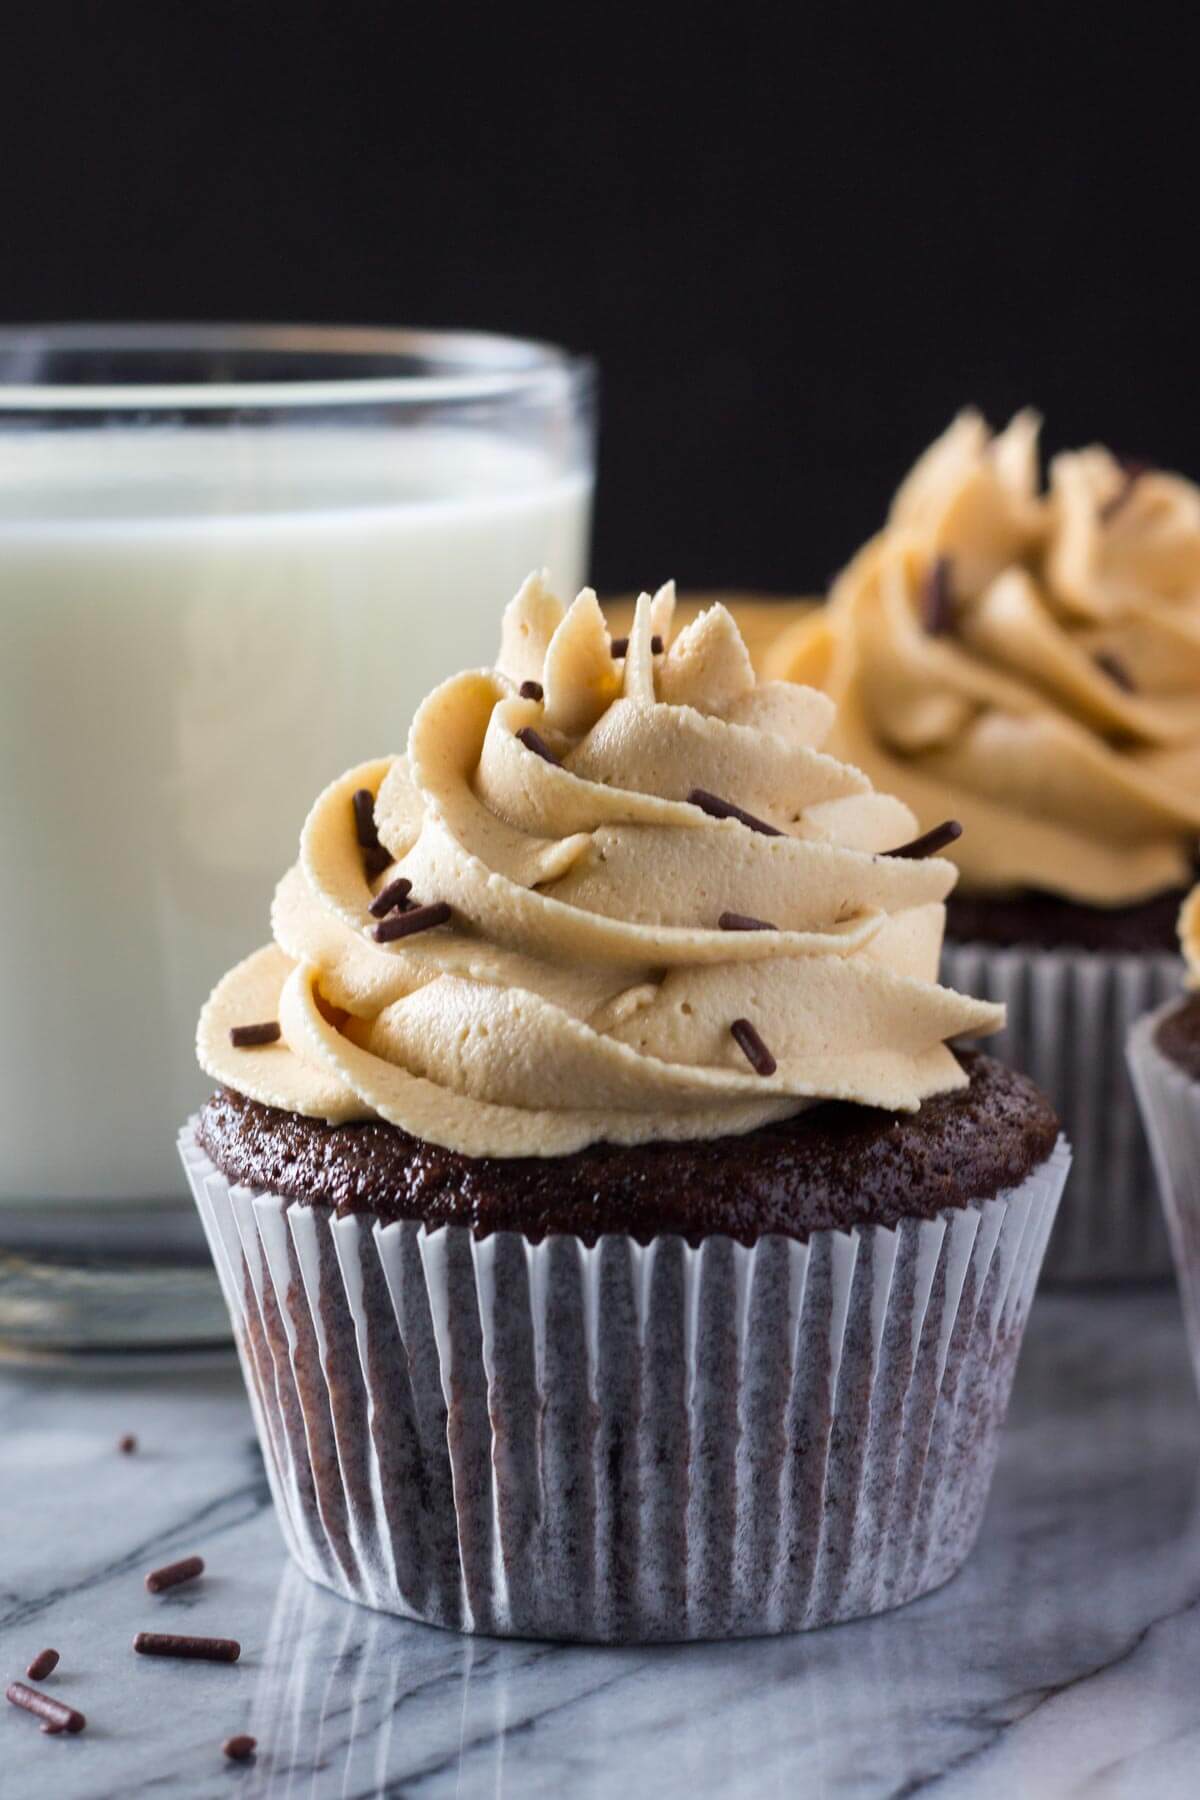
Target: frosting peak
607	928
1027	660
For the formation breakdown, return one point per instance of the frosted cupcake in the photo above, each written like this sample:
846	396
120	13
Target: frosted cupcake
1164	1060
1028	663
615	1248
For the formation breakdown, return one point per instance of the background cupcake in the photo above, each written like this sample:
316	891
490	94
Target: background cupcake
1028	662
1164	1060
614	1246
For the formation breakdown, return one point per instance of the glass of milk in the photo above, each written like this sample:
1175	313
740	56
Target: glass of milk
232	561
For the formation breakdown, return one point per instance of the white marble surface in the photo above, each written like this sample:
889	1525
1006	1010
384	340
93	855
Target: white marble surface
1065	1660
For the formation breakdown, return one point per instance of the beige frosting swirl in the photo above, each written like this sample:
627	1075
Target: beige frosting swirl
582	990
1059	715
1189	936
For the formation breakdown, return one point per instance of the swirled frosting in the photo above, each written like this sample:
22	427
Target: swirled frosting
582	989
1027	661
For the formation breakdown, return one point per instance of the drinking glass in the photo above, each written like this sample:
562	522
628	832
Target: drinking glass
232	561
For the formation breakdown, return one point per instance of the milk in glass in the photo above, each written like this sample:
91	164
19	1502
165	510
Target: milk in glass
199	628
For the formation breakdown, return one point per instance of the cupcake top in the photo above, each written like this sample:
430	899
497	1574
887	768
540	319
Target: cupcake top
1028	660
615	892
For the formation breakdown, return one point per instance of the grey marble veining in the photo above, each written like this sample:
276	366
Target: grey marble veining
1065	1660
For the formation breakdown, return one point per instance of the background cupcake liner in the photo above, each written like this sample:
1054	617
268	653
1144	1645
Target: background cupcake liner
626	1443
1170	1103
1069	1012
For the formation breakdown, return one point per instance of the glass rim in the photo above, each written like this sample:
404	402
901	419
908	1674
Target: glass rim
494	366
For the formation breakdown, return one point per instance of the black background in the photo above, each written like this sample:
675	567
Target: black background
796	240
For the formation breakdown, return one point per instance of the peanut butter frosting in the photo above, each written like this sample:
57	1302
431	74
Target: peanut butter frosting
1189	936
1027	661
632	859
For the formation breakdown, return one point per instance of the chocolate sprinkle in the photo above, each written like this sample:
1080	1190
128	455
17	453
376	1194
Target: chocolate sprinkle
1114	668
407	924
364	819
716	808
43	1664
620	646
388	899
1132	470
532	741
248	1037
375	861
731	921
240	1748
937	598
532	690
756	1052
173	1574
932	841
56	1716
195	1649
128	1444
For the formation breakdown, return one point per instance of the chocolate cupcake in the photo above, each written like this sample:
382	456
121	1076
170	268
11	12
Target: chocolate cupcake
1028	662
615	1248
1164	1061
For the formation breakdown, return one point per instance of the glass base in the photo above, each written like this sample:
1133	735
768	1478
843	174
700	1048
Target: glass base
109	1286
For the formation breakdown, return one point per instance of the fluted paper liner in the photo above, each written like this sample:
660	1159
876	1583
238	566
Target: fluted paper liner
624	1442
1170	1101
1069	1012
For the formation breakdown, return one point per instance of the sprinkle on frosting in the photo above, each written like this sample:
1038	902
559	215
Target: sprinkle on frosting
364	818
1069	777
408	924
620	646
930	842
716	808
756	1052
1115	669
391	898
531	690
937	598
532	740
599	928
1131	473
249	1037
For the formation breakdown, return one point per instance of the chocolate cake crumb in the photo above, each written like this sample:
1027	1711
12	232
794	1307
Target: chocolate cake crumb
1049	922
1178	1036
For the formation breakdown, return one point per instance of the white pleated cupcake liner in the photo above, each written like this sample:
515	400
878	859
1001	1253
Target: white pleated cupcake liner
1170	1102
1069	1013
626	1443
